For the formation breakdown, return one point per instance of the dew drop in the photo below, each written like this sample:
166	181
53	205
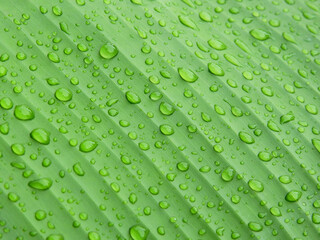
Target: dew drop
187	75
41	184
108	51
88	146
41	136
63	94
23	112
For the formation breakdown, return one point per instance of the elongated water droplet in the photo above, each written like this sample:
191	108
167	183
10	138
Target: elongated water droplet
205	16
78	169
293	196
231	59
55	237
187	75
215	69
88	145
259	34
246	137
64	27
316	144
187	22
132	97
216	44
41	184
41	136
255	227
273	126
53	57
287	118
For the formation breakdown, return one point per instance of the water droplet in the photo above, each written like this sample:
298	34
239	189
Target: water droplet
88	146
215	69
6	103
259	34
93	236
78	169
216	44
64	27
166	129
108	51
275	211
273	126
41	136
312	109
187	75
40	215
254	226
316	218
138	2
285	179
231	59
23	112
256	185
205	16
293	196
138	232
55	237
13	197
3	71
183	166
187	22
53	57
41	184
63	94
246	137
18	149
316	143
166	108
287	118
132	97
227	174
265	156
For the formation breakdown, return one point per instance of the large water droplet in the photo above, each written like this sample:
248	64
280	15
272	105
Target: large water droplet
187	75
41	184
138	232
166	109
293	196
23	112
215	69
259	34
246	137
63	94
41	136
132	97
108	51
166	129
88	146
256	185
